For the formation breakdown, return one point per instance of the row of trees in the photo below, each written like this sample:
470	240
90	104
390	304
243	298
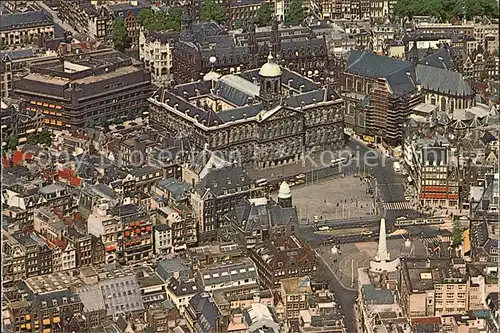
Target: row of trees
43	138
445	10
149	19
161	20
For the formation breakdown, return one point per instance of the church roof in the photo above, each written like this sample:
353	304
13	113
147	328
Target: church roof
443	80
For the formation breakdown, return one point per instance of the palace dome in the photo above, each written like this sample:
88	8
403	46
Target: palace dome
270	69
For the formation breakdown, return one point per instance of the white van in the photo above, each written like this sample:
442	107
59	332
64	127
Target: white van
397	167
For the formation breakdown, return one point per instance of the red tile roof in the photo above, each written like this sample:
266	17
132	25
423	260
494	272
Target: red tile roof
17	157
66	175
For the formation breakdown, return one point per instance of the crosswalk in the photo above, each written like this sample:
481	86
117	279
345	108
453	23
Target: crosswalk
400	205
431	241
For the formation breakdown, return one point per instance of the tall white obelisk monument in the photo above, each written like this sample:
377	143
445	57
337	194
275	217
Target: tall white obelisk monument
382	259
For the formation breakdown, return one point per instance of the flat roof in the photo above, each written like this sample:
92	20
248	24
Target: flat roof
118	72
56	80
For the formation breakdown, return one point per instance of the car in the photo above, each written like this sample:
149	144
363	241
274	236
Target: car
366	233
401	218
370	145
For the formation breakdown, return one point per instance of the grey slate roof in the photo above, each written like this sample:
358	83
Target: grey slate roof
225	179
203	308
91	297
121	294
178	189
182	287
24	20
105	190
166	268
440	59
399	74
261	217
237	89
377	296
51	188
18	54
442	80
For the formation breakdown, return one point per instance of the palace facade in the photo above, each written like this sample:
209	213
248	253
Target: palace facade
268	116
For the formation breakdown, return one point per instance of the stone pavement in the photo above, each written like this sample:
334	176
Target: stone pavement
352	256
333	199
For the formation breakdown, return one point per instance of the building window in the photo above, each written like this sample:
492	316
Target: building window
443	104
433	100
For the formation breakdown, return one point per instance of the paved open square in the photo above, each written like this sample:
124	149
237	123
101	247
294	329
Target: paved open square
345	263
333	199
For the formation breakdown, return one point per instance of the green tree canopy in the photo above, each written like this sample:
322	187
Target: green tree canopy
457	234
296	13
213	11
161	20
264	15
446	9
238	23
120	34
12	142
43	138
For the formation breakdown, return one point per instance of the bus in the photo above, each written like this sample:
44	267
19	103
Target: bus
337	161
261	182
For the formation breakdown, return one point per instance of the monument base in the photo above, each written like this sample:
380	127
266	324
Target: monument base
387	266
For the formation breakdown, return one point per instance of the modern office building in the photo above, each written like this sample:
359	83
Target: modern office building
96	88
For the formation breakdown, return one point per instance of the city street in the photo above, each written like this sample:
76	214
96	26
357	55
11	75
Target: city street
54	16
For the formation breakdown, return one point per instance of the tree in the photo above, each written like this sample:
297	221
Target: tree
457	234
43	138
174	18
264	15
296	12
161	20
238	23
12	142
120	34
145	16
446	9
2	44
213	11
